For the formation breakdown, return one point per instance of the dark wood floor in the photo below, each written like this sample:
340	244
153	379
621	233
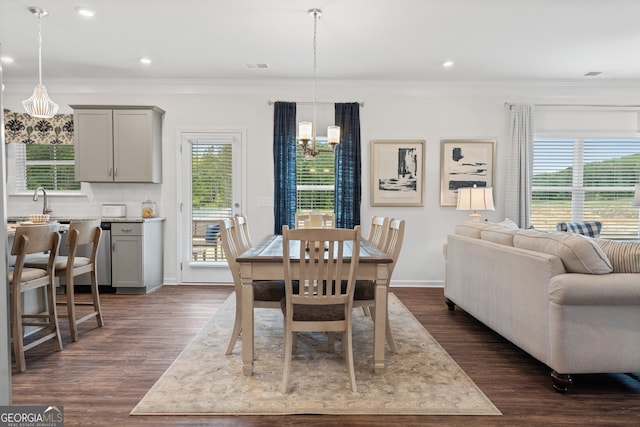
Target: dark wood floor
100	378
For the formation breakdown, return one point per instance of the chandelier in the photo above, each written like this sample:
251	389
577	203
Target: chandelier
40	105
307	130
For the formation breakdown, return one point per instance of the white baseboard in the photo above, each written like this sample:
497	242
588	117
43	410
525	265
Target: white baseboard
417	283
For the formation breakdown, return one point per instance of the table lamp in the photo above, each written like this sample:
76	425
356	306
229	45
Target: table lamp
475	199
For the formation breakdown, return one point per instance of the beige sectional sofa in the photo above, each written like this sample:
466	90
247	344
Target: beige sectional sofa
558	296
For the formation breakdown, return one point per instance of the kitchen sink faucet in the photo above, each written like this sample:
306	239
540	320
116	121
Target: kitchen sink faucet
45	205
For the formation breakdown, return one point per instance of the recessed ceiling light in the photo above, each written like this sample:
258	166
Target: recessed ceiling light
145	61
6	60
87	13
448	64
257	65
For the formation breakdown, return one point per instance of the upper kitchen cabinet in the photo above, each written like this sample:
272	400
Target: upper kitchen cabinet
118	143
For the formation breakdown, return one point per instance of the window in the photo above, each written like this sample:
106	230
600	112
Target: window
315	180
211	179
586	179
50	166
211	195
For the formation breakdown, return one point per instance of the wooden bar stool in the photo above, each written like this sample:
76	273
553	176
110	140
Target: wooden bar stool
33	239
80	233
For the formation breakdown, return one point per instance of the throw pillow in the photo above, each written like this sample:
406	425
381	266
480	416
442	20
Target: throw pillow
624	256
579	254
587	228
509	224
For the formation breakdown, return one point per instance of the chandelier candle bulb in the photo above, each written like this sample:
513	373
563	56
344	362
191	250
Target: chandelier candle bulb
333	135
305	129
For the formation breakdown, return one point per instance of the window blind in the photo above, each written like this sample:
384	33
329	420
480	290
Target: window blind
212	180
586	179
49	166
315	180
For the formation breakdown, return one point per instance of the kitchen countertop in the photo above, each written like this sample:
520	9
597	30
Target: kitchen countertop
103	219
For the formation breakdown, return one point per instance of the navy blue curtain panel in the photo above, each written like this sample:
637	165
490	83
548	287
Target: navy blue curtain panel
348	160
284	165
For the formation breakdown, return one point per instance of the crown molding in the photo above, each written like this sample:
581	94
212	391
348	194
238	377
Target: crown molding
333	89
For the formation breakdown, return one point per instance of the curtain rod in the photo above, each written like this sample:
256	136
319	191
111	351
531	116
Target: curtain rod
317	103
508	104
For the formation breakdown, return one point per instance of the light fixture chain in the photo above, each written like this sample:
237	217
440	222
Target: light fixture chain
315	64
40	47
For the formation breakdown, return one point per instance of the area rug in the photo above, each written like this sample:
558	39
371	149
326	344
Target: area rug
420	379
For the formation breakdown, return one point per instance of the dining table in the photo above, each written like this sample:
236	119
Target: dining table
264	261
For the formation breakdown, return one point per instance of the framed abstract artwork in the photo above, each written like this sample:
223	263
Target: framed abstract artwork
397	173
464	163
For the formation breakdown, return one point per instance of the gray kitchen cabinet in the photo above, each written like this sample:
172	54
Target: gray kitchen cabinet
136	256
118	143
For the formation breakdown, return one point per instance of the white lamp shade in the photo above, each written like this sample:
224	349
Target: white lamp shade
40	105
636	196
305	129
333	134
475	199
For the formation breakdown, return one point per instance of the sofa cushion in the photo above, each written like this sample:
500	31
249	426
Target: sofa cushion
624	256
579	254
470	228
499	234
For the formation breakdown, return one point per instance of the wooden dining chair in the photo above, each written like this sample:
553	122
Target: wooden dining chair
33	239
242	231
315	301
81	234
364	295
378	231
317	220
266	293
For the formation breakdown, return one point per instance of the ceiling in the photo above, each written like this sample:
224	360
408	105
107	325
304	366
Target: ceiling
375	40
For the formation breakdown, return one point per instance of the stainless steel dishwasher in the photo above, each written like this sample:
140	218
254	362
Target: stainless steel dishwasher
104	256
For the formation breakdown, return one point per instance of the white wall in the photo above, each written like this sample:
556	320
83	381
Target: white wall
391	111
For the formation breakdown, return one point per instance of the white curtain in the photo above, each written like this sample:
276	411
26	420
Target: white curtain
517	196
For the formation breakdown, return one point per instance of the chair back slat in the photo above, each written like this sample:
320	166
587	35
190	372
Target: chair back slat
378	231
230	246
242	232
394	241
323	265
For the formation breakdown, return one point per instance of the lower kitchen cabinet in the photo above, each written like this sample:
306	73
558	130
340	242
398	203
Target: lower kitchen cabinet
136	256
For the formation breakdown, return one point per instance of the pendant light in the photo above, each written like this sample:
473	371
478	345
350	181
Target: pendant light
307	130
40	105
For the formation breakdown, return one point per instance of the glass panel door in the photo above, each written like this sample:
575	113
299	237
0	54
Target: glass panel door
211	191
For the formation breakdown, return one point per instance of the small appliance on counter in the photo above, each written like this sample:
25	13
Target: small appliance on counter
114	211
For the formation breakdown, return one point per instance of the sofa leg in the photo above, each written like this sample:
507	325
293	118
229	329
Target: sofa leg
450	304
561	382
